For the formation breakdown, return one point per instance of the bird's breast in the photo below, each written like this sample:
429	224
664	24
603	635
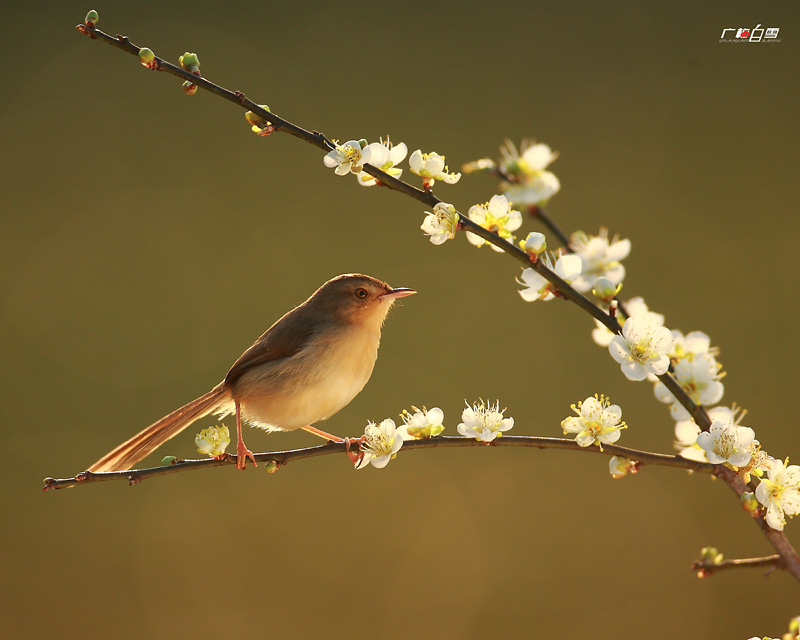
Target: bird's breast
312	384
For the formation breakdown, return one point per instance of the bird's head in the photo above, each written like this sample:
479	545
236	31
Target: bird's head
354	298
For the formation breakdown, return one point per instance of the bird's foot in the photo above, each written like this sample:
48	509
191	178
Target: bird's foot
242	454
355	456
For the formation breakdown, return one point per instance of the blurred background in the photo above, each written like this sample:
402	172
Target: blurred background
148	238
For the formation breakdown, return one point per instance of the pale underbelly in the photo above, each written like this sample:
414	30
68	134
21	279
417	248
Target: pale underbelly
299	407
307	387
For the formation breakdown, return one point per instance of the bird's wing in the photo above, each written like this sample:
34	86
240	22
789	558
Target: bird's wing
282	340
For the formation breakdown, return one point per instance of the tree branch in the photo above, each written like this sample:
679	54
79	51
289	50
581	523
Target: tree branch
776	538
707	567
135	476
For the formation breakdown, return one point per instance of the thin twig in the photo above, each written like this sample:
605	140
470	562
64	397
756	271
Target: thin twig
135	476
708	567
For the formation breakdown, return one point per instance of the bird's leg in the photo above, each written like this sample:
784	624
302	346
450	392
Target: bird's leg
355	457
242	452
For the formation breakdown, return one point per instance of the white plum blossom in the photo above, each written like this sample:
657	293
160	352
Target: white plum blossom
384	156
484	422
694	343
531	157
498	217
423	423
760	462
442	224
726	441
686	431
346	158
598	422
700	378
642	348
431	167
600	256
528	183
602	335
536	190
381	444
567	267
213	441
779	493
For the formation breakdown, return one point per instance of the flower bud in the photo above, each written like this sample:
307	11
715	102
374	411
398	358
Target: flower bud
147	58
619	467
169	460
710	555
535	243
749	503
190	63
258	123
605	289
91	18
270	466
189	89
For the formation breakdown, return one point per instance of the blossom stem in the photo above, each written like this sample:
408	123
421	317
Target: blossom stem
134	476
541	214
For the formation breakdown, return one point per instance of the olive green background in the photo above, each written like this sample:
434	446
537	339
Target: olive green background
148	238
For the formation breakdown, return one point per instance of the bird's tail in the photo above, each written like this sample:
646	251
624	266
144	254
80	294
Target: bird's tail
131	451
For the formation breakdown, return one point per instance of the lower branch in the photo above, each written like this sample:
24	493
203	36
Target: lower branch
135	476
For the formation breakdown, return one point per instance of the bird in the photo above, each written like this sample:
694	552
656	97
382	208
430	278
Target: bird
307	366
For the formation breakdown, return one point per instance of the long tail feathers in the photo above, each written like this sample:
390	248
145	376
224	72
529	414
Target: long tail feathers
131	451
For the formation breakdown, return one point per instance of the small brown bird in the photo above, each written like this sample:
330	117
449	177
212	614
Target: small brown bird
304	368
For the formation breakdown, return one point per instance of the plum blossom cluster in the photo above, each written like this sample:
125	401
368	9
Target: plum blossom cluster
351	157
381	442
646	349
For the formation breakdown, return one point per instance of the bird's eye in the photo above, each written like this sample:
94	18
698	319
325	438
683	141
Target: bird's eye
361	292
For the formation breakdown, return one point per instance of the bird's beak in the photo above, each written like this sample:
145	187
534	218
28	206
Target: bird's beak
400	292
